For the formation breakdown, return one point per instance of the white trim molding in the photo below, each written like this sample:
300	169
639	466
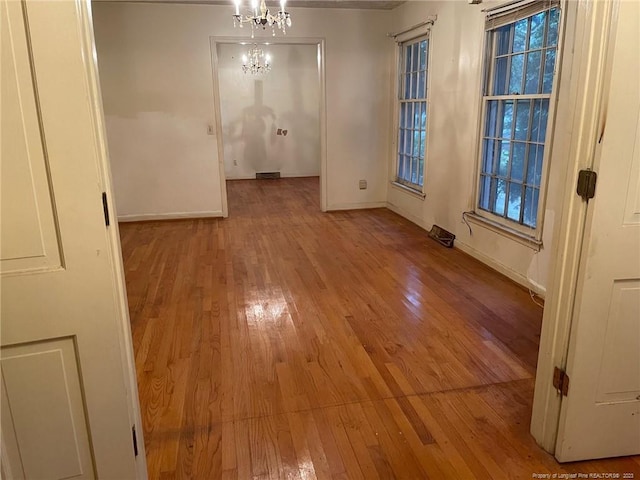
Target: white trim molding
587	80
355	206
143	217
520	279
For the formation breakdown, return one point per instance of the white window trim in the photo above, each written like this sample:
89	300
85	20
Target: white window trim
422	30
522	233
407	189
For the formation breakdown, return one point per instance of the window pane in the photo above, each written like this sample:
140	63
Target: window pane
552	32
423	55
503	165
531	206
421	172
401	141
417	115
485	191
515	79
549	65
507	119
415	65
517	161
423	120
544	117
536	36
407	61
400	166
522	119
414	85
422	84
407	168
414	170
492	193
534	165
406	146
503	36
403	114
520	35
423	142
539	124
515	201
532	76
501	197
409	115
416	143
407	87
500	77
487	156
491	119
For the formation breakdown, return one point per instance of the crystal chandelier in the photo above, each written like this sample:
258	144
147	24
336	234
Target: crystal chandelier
252	62
262	17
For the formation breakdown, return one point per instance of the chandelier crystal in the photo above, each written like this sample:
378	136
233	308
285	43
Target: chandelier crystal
262	17
255	61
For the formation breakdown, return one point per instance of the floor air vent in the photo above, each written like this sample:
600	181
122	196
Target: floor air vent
263	175
441	236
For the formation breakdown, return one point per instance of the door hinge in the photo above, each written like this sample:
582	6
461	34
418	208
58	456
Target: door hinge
105	208
135	440
561	381
586	184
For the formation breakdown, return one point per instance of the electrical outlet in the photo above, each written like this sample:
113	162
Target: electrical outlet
362	184
210	130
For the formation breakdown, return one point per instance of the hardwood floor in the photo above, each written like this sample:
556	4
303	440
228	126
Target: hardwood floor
286	343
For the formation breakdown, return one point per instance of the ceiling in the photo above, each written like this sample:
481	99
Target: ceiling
361	4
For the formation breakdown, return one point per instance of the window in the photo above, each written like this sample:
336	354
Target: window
520	61
412	121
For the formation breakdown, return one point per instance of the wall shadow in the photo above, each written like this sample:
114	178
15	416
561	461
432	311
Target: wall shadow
249	129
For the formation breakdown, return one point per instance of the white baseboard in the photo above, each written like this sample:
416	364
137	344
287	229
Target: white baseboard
355	206
487	260
412	218
168	216
503	269
282	175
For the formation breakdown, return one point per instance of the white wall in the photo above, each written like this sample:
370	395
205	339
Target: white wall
455	94
254	107
156	78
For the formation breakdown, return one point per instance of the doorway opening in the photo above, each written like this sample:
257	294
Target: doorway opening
271	124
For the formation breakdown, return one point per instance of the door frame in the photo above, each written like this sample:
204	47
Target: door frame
320	44
593	43
113	233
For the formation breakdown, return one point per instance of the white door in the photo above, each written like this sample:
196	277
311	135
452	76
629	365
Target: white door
66	394
600	417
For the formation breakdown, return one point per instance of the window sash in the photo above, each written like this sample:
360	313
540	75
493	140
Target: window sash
412	114
493	183
501	16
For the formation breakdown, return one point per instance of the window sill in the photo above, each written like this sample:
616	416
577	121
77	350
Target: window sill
411	191
505	231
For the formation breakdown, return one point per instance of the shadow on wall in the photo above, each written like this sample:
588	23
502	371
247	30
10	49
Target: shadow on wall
305	127
254	109
249	129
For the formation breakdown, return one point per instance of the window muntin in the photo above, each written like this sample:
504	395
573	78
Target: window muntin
517	96
412	111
